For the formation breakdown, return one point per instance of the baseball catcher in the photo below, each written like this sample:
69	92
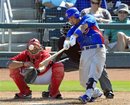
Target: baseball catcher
24	70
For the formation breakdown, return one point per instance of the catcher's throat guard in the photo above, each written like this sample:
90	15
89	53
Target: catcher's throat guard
30	75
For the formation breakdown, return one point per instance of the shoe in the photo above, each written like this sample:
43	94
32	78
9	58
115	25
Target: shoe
94	98
46	95
22	96
84	99
59	96
109	95
96	94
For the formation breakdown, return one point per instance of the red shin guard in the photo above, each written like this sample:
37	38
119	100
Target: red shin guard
57	77
19	81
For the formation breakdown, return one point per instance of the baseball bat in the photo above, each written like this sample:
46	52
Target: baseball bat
44	63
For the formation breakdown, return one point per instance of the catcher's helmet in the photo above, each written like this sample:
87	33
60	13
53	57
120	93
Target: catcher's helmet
35	51
34	41
73	12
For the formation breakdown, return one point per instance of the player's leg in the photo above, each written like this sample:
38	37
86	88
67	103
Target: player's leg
44	79
18	78
93	64
122	41
57	77
53	77
91	93
106	85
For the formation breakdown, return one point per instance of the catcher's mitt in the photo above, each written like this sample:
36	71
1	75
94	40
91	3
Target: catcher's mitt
30	75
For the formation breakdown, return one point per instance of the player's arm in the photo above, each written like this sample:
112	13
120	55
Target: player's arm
71	41
80	30
83	28
15	64
19	61
106	40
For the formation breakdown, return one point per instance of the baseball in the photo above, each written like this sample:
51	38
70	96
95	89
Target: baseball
31	47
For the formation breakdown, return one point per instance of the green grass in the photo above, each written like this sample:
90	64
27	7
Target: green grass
65	86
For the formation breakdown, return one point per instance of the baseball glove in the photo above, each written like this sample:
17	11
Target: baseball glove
30	75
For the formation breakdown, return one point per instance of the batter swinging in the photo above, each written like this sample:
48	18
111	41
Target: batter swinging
93	53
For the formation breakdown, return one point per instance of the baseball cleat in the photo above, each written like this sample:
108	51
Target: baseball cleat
46	95
109	95
84	99
58	97
22	96
94	98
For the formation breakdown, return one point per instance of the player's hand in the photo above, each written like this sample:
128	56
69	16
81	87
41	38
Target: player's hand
66	44
28	64
106	41
72	40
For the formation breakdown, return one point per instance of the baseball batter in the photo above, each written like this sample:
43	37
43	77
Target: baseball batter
72	63
93	52
31	57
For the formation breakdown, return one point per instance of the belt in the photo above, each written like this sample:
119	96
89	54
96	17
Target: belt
92	46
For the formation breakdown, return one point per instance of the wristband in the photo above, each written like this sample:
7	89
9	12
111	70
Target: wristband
78	32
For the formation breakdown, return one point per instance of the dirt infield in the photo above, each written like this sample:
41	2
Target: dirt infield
70	98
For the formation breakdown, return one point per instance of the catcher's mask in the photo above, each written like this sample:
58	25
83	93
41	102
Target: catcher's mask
34	48
66	28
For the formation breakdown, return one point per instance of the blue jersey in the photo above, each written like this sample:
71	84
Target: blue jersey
91	35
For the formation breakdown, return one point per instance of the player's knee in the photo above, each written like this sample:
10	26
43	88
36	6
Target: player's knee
91	83
58	69
14	73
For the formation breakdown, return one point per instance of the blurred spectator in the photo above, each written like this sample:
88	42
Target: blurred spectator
42	4
102	15
53	3
118	2
118	40
109	5
113	4
81	4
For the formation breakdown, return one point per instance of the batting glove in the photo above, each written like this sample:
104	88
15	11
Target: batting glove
66	44
72	40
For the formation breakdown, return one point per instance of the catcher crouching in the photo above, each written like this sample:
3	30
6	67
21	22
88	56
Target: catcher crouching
24	69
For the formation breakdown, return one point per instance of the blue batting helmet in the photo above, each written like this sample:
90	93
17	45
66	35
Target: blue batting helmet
73	12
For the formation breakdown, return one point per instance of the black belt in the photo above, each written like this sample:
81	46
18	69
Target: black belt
92	46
